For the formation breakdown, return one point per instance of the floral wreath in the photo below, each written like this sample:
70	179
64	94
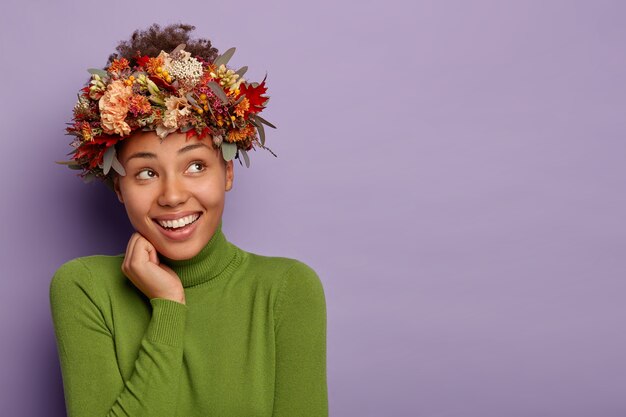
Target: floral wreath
168	93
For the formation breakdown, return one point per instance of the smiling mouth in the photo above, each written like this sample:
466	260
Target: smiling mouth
176	228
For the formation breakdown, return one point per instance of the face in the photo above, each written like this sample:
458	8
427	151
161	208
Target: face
170	179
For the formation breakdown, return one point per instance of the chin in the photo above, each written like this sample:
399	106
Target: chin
178	250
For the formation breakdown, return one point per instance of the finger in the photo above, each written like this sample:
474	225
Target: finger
142	249
151	251
154	257
129	251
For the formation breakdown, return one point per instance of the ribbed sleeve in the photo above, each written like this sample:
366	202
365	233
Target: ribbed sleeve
300	333
93	385
168	322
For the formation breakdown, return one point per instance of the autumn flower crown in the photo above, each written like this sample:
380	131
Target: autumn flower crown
168	93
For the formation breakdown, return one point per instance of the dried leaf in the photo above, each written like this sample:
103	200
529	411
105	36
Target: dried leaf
241	71
107	159
262	120
88	178
224	58
191	99
245	157
118	167
229	150
261	132
215	87
178	48
100	72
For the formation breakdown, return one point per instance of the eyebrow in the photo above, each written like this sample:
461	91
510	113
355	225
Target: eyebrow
150	155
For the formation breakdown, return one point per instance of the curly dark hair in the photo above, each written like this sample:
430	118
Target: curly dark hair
154	39
151	42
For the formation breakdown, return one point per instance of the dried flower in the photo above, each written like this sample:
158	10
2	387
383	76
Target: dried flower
114	107
236	135
118	65
176	107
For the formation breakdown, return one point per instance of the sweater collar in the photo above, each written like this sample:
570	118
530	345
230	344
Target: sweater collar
216	259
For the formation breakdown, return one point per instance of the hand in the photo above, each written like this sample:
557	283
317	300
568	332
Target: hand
141	265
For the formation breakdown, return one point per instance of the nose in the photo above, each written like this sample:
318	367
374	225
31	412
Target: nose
173	192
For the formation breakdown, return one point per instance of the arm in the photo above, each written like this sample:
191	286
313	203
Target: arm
300	330
93	385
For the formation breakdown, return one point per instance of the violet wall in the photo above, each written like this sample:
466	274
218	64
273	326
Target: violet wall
453	170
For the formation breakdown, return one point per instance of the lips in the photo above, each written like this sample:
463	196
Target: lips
175	216
181	233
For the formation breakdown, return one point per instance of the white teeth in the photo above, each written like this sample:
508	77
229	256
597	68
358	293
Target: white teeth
175	224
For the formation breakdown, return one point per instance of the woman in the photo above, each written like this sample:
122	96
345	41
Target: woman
184	323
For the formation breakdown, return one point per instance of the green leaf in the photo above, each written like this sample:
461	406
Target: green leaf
261	133
224	58
100	72
107	159
217	89
229	150
245	157
241	71
262	120
66	162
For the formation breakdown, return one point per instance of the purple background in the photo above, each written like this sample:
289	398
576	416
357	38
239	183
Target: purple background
453	170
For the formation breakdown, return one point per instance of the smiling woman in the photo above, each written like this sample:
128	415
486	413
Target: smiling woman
184	323
170	180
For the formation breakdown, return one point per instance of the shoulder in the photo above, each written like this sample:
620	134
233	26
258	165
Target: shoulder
85	273
300	299
281	269
298	285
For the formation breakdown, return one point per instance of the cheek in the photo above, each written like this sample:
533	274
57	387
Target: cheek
210	194
137	203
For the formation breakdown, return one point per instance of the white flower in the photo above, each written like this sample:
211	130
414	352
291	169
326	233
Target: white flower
183	66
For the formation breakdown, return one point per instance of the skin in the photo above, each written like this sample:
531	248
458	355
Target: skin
169	183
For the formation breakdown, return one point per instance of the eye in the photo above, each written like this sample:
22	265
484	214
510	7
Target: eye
199	165
144	177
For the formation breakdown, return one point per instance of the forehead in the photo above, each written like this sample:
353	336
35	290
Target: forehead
149	142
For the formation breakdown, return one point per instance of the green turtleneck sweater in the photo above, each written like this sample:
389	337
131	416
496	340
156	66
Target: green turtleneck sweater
250	340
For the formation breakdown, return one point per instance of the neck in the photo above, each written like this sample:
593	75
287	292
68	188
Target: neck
216	259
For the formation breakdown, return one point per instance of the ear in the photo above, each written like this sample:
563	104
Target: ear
230	175
116	187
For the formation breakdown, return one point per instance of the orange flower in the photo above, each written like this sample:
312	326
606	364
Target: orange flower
85	129
118	65
114	107
237	135
139	104
242	107
152	65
